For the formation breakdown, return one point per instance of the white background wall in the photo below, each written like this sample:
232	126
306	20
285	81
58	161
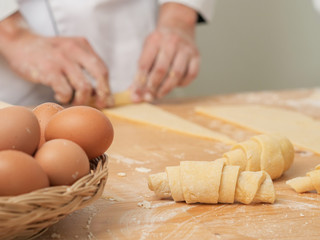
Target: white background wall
254	45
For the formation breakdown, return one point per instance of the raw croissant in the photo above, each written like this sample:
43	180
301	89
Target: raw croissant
271	153
212	182
308	183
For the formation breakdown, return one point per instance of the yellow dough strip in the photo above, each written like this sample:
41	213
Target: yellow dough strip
122	98
145	113
301	129
301	184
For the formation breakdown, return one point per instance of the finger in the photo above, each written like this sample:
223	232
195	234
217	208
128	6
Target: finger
54	78
103	94
138	86
170	83
79	83
192	72
161	67
50	75
98	72
146	61
99	77
177	72
87	58
90	61
63	92
148	55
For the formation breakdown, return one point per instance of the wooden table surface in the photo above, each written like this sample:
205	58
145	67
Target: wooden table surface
129	210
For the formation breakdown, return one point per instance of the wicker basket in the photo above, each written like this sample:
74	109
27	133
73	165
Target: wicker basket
29	215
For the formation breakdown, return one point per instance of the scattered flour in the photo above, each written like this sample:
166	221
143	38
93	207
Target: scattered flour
142	169
126	160
93	212
209	151
144	204
305	153
162	204
296	205
122	174
179	156
112	198
55	236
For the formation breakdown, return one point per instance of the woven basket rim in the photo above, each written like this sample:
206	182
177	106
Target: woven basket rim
29	214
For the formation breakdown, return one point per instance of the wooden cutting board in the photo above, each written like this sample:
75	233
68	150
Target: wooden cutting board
128	210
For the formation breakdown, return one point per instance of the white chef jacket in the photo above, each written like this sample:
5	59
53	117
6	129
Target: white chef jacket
116	30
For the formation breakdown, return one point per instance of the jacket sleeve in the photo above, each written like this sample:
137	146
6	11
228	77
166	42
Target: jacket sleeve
7	7
203	7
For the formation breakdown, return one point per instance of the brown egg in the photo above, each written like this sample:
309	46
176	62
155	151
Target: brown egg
43	113
19	129
86	126
63	161
20	173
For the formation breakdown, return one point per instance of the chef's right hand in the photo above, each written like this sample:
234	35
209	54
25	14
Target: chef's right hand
57	62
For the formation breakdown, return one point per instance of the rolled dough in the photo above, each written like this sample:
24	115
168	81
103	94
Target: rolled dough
308	183
248	186
265	192
148	114
301	129
228	184
200	180
271	159
173	174
268	152
212	182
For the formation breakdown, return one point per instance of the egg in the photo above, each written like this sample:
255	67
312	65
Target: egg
63	161
43	113
84	125
19	129
20	173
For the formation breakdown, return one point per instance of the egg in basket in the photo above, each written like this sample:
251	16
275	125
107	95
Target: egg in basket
52	162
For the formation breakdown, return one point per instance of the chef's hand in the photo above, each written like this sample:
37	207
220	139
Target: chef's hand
170	56
56	62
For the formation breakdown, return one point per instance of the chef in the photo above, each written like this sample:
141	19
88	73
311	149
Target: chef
74	51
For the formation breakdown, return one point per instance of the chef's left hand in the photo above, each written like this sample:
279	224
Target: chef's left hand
170	57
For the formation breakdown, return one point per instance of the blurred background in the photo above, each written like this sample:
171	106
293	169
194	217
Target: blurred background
255	45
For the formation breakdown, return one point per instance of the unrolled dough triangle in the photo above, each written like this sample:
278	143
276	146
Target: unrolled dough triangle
302	130
149	114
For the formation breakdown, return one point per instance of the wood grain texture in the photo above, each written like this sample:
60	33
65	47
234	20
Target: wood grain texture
129	210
